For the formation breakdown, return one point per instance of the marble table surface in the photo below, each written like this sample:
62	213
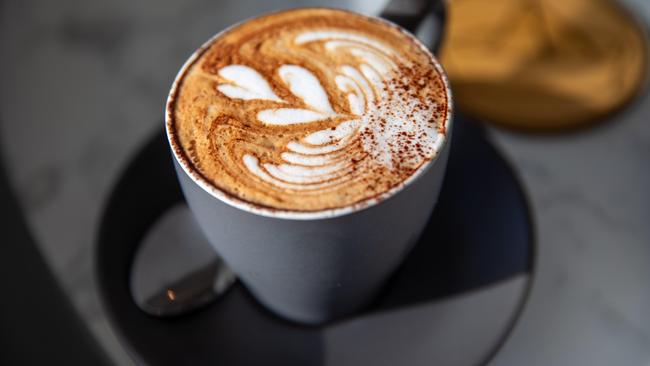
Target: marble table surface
83	86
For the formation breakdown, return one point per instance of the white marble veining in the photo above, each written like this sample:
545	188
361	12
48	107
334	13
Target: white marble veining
591	197
83	84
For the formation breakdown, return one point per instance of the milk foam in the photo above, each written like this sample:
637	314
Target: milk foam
313	162
310	109
246	84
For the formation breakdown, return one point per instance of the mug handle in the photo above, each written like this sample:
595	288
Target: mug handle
409	14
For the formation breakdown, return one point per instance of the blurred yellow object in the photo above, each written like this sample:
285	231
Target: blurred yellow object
543	64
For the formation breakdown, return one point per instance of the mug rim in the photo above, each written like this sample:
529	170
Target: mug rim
272	212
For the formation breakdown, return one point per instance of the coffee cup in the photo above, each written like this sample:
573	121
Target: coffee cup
320	258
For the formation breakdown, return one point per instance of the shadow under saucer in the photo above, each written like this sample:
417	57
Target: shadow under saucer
453	301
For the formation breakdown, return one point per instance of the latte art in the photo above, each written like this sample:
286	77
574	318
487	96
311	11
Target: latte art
311	109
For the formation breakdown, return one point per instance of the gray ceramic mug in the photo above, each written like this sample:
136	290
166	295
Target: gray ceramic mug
313	267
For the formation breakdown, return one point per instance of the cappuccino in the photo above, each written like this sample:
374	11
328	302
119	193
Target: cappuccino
309	109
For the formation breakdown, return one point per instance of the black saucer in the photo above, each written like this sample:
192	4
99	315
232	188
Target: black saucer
453	302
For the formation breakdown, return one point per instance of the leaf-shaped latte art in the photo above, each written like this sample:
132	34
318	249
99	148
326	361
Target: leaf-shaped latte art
306	86
319	160
246	83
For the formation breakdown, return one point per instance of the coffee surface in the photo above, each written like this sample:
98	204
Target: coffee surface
309	109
